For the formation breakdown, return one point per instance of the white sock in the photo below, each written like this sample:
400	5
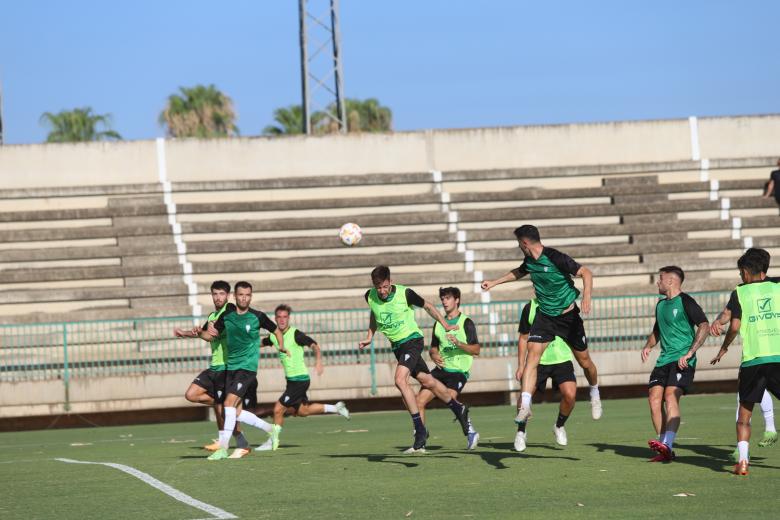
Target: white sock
228	427
768	409
525	400
253	420
330	408
737	416
471	427
594	392
661	436
742	446
669	438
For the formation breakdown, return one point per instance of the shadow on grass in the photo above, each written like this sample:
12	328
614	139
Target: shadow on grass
401	458
715	458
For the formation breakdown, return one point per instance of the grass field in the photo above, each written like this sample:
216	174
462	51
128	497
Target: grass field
330	468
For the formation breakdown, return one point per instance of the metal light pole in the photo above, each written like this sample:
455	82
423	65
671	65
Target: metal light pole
317	72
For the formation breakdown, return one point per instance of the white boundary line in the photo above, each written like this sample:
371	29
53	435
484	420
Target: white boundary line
161	486
181	247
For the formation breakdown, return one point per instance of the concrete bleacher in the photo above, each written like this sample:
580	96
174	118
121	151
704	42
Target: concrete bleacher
110	252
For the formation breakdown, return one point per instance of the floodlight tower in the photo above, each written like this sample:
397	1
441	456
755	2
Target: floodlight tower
321	73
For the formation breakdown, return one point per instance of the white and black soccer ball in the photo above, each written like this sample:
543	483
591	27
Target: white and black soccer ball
350	234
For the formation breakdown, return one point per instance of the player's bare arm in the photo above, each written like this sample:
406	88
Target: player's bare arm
508	277
468	348
318	368
587	288
730	335
702	332
370	334
436	315
652	340
280	341
436	356
719	323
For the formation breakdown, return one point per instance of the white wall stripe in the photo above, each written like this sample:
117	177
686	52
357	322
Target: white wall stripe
181	247
693	123
172	492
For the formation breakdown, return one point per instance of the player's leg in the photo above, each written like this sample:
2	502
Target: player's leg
446	396
768	411
672	396
752	384
231	402
424	396
578	342
535	350
743	437
568	391
199	395
655	398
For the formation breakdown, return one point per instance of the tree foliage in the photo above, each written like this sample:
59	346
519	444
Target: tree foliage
362	116
199	111
78	125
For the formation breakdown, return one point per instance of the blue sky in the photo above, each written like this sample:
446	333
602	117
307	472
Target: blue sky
435	63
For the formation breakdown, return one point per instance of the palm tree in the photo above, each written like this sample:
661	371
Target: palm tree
290	121
368	115
362	116
77	125
199	111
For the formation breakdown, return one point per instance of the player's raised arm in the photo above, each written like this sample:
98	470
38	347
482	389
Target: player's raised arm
371	330
511	276
587	287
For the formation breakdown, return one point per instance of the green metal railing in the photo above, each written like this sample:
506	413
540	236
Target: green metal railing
75	350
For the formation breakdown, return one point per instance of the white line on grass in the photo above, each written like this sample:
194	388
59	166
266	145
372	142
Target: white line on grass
162	486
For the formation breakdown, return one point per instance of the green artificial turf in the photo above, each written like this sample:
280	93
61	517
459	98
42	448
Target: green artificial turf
328	467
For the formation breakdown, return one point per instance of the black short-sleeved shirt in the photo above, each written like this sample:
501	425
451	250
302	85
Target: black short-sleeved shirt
412	298
468	327
551	275
243	336
775	176
300	338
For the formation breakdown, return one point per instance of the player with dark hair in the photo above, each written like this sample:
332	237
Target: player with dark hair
681	327
556	365
766	404
753	308
772	187
209	386
551	273
453	353
242	328
392	314
294	399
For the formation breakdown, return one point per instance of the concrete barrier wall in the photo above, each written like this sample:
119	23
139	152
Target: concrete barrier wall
46	165
344	382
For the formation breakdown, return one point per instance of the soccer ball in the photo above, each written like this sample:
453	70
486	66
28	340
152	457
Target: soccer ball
350	234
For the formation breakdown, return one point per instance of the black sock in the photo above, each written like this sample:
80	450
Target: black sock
456	407
521	427
418	423
561	420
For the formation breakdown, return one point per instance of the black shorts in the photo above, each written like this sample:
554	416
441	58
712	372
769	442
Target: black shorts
453	380
671	375
409	354
249	402
213	381
559	373
754	380
295	394
568	327
240	382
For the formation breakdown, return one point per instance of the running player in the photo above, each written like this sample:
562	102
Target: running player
754	309
242	327
453	353
551	273
555	364
766	405
209	386
294	399
392	314
681	327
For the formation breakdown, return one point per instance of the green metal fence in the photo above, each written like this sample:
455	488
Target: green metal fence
64	351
